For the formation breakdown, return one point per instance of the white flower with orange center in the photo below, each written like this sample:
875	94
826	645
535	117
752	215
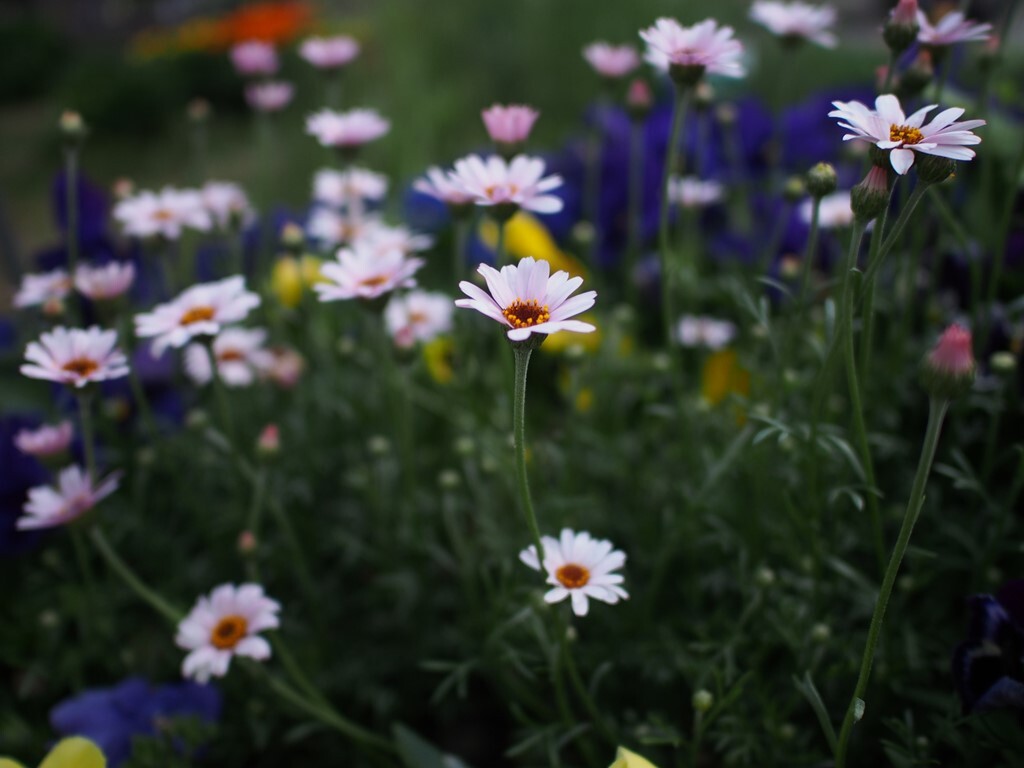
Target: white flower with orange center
418	316
105	282
349	129
517	184
223	625
228	204
528	300
329	227
796	21
364	272
75	356
45	441
45	289
72	496
888	128
240	354
440	185
201	310
579	567
165	213
344	189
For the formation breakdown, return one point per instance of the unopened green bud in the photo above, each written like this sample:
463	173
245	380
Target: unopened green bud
703	700
821	180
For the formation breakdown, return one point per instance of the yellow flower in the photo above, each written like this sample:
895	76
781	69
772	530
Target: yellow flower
290	277
75	752
584	400
626	759
722	375
438	356
526	236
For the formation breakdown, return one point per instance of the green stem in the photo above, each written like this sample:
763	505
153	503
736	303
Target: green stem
88	443
71	203
867	331
890	72
1002	230
128	576
522	359
581	690
499	248
936	414
460	236
810	252
592	189
859	426
664	246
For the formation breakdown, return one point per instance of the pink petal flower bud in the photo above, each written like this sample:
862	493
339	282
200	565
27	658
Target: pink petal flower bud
639	98
247	542
901	29
948	370
869	198
269	442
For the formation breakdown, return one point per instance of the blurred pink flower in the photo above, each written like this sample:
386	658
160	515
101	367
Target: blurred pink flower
329	52
72	496
254	57
509	124
347	129
269	96
46	440
612	61
105	282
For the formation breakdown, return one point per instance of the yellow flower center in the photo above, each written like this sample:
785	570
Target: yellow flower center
572	576
81	366
229	632
196	315
523	314
905	134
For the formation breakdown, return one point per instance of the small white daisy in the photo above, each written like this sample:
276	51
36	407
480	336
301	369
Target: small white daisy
519	184
329	227
349	129
691	192
796	21
418	316
201	310
73	496
228	205
694	331
835	210
223	625
105	282
270	95
526	300
165	213
45	441
440	185
43	289
888	128
509	124
579	567
951	29
240	354
75	356
362	272
342	189
381	237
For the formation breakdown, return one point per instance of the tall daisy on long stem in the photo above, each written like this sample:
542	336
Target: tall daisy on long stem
531	303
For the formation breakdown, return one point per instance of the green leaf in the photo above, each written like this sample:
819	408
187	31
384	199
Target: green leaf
419	753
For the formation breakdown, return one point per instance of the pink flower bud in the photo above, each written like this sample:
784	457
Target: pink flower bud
901	29
269	441
246	542
639	95
45	441
509	124
948	370
905	12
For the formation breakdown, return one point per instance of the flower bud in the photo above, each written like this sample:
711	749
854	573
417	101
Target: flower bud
198	110
869	198
378	445
820	633
821	180
794	189
703	95
269	442
901	29
703	700
293	239
72	126
639	99
246	543
448	479
934	170
686	75
764	577
948	370
1003	363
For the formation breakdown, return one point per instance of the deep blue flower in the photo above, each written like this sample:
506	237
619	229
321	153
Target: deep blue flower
19	473
112	717
988	668
92	209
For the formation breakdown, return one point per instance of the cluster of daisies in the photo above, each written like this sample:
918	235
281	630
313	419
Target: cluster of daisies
166	214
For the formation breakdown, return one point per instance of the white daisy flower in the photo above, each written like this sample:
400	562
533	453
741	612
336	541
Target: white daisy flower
704	47
691	192
201	310
526	300
797	21
579	567
835	210
73	496
46	289
362	272
519	183
75	356
344	188
45	441
383	237
105	282
694	331
418	316
951	29
240	355
328	227
349	129
888	128
223	625
165	213
440	185
227	204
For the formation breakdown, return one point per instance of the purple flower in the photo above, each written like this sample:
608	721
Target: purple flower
988	668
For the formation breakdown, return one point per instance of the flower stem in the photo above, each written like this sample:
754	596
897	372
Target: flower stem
88	445
635	215
459	238
499	248
71	217
522	358
581	690
671	151
810	252
936	414
128	576
859	426
867	331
